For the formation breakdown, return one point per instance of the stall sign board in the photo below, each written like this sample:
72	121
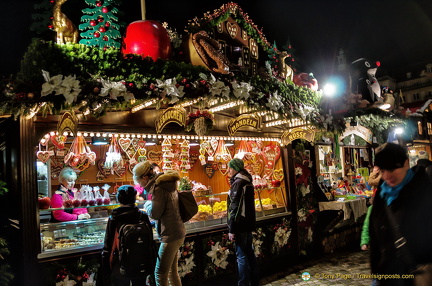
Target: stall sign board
170	115
68	123
358	130
244	120
304	132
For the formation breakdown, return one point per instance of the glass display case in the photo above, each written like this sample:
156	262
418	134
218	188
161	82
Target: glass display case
72	236
63	238
212	208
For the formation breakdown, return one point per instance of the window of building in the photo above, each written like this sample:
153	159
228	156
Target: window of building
416	96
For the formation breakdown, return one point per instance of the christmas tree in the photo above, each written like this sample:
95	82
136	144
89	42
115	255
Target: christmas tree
100	25
42	17
290	60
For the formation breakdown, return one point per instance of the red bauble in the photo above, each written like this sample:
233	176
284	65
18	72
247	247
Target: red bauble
107	24
93	23
96	34
102	29
100	19
147	38
105	38
105	10
98	3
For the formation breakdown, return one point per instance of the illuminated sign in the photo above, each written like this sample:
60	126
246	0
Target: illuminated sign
68	123
307	133
244	120
170	115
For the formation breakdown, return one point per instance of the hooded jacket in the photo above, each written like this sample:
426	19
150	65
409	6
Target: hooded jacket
127	214
241	203
412	209
164	206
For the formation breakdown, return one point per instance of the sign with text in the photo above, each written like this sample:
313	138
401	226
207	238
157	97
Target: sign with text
244	120
170	115
304	132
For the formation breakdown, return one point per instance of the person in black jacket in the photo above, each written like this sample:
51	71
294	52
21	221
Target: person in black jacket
241	221
127	213
423	159
407	193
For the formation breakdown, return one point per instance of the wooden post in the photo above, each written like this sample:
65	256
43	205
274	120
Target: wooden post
143	10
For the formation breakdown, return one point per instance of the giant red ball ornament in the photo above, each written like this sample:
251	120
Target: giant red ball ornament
147	38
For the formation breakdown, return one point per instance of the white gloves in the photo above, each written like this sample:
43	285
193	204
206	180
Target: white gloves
83	216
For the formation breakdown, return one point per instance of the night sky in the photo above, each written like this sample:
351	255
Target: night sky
398	33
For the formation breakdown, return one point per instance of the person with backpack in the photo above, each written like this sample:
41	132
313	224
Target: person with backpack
129	253
164	207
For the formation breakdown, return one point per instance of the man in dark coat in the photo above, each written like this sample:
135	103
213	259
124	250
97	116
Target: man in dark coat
408	195
127	213
241	221
423	159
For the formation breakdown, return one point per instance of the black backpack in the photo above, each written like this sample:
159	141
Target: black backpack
136	248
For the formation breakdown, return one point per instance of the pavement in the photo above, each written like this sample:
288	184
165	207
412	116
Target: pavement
338	268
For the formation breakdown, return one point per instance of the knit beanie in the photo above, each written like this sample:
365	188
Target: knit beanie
126	194
236	164
390	156
141	169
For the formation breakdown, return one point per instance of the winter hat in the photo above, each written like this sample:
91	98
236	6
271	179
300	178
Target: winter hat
390	156
236	164
126	195
141	169
423	155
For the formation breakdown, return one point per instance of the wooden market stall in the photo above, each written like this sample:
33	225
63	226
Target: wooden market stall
66	96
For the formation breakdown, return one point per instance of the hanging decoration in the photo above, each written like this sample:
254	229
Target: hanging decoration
113	159
141	151
184	157
59	141
43	156
80	155
155	156
167	154
201	121
271	154
222	157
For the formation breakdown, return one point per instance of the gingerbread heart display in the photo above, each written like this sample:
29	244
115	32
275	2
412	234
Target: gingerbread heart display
55	171
209	170
106	172
43	156
193	158
124	143
59	141
278	174
155	156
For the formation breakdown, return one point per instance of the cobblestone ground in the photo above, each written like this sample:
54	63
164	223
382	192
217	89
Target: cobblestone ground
340	268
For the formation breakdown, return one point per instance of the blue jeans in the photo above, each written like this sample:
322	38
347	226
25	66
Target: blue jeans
246	260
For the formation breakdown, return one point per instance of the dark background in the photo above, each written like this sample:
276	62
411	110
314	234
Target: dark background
398	33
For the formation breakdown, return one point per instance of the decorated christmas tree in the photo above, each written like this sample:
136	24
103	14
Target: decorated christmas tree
290	60
100	26
41	17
